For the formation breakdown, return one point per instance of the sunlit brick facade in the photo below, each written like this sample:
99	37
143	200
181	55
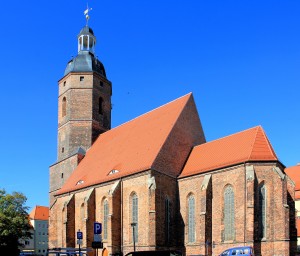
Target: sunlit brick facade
158	172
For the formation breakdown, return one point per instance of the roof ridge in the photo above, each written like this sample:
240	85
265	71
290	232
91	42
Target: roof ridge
269	144
144	114
189	96
253	143
260	129
230	135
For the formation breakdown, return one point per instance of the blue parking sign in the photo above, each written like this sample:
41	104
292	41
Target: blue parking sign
79	235
97	228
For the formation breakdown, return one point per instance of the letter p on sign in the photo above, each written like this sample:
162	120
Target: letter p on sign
97	228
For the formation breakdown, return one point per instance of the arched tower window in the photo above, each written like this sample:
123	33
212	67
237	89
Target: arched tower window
191	219
262	210
229	213
105	218
64	107
134	216
167	220
100	106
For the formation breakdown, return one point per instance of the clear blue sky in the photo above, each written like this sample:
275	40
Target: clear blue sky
241	60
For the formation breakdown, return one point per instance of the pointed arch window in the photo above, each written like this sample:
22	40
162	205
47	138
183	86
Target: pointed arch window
191	219
82	212
64	107
134	217
229	213
105	219
167	220
100	106
262	210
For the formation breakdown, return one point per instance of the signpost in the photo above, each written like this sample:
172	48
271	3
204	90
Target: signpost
97	228
79	239
97	243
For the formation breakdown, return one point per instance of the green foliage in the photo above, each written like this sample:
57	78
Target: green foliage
14	221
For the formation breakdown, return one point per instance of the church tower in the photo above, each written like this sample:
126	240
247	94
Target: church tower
84	108
84	102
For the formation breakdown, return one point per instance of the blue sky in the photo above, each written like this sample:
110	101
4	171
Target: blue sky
241	60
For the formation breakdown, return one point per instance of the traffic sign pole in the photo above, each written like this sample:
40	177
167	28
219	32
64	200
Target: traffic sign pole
97	243
79	239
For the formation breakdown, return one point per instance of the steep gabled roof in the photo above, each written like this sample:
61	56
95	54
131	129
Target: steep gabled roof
160	139
248	145
39	213
294	173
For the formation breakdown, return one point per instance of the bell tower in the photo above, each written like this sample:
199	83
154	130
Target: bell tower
84	108
84	101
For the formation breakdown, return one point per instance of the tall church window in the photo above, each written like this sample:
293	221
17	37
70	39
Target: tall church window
100	106
82	213
191	219
105	219
262	211
134	217
229	213
64	107
167	220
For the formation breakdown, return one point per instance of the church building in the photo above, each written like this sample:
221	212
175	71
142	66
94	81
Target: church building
154	182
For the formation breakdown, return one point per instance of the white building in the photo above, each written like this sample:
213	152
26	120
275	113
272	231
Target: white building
39	220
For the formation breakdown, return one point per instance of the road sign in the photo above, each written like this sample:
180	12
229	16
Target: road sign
97	245
97	228
97	238
79	235
79	241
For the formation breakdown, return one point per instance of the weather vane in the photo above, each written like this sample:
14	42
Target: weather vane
86	13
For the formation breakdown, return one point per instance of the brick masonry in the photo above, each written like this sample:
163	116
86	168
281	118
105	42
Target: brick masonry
152	188
80	121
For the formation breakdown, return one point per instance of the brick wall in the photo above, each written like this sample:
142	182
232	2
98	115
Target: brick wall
152	188
60	172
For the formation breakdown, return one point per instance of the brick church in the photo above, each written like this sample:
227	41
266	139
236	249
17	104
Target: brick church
154	182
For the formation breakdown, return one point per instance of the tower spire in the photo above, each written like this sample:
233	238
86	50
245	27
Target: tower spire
86	13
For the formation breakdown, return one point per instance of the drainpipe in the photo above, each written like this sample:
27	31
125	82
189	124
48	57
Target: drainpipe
246	193
122	245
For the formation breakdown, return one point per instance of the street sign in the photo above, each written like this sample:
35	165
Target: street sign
97	245
79	241
79	235
97	228
97	238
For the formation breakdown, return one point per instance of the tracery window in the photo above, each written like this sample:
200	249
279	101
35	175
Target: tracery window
229	224
105	218
191	219
134	216
262	211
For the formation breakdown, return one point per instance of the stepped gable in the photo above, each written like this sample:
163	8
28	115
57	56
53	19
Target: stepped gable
294	173
160	139
245	146
39	213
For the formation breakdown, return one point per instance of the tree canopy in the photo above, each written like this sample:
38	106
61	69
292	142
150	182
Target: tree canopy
14	221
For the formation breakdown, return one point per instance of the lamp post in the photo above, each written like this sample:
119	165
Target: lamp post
133	224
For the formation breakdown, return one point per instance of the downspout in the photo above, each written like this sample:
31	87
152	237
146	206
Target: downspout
246	194
122	245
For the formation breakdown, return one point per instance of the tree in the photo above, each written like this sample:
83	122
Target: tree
14	222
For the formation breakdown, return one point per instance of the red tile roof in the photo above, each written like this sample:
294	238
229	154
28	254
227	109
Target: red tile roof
39	213
248	145
160	139
294	173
